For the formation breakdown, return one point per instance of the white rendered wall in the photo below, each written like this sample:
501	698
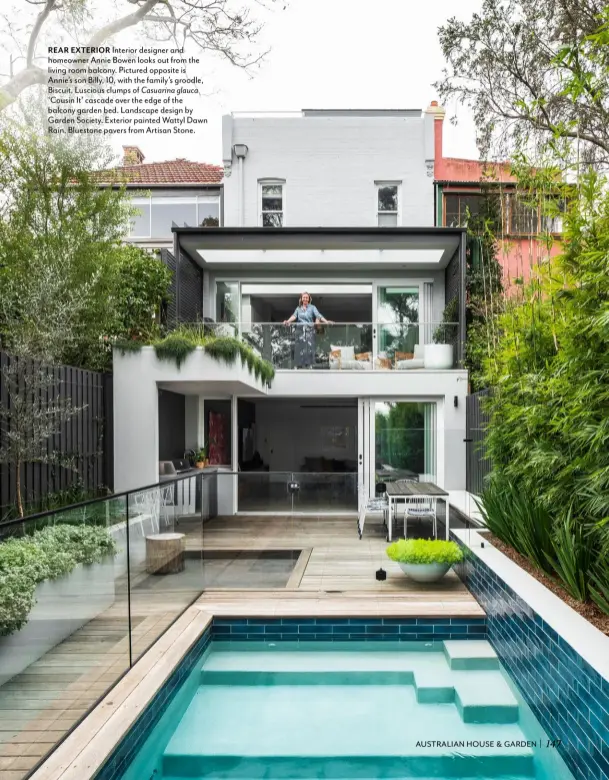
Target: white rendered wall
330	165
136	424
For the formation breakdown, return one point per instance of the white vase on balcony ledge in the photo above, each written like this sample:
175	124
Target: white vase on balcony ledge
438	356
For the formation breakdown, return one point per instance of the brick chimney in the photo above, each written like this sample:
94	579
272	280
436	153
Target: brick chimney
438	114
132	155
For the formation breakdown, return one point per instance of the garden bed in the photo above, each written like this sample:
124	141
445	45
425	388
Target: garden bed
589	611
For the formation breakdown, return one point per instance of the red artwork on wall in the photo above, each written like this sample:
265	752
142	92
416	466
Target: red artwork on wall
218	440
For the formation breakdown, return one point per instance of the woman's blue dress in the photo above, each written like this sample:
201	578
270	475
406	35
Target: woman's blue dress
304	345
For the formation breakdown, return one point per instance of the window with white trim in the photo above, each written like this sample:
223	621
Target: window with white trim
387	203
157	213
272	201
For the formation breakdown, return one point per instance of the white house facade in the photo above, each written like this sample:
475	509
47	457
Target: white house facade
321	168
340	205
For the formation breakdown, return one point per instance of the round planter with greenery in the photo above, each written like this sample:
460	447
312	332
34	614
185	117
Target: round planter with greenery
425	560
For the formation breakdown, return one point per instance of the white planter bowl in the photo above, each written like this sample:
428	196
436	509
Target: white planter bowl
438	356
425	572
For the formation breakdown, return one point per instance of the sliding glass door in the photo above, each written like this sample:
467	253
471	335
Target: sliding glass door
396	440
396	317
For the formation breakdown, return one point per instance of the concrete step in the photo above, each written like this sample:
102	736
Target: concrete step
505	767
474	654
480	703
336	731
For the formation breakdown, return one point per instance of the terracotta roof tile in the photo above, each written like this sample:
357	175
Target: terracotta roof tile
179	171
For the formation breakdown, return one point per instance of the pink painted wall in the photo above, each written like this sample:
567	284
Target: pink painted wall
518	256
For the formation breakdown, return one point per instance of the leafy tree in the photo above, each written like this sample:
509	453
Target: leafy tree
222	27
33	413
549	428
68	283
484	285
532	71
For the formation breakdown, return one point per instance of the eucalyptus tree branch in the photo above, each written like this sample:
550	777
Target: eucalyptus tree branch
38	25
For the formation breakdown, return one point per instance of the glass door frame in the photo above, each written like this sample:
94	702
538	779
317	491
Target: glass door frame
366	436
418	283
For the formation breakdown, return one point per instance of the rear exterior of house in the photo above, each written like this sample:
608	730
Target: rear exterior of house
339	204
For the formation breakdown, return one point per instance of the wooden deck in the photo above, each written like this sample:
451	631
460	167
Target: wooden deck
331	572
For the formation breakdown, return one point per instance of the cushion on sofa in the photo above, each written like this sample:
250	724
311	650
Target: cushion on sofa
407	364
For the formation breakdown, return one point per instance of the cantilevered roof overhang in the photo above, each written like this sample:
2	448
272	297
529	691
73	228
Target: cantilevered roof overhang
375	248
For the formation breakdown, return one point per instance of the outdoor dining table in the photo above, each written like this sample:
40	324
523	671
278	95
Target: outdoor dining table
403	489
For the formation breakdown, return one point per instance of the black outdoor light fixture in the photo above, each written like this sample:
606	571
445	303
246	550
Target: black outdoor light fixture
381	575
456	401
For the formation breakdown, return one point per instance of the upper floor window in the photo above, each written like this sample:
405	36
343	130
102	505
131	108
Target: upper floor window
158	214
459	208
520	217
526	219
388	202
272	202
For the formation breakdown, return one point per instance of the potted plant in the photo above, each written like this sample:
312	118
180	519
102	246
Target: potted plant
439	355
201	458
425	560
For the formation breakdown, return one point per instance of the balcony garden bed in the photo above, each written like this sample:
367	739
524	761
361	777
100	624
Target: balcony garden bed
179	344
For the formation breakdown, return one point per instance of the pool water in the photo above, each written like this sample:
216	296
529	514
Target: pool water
424	710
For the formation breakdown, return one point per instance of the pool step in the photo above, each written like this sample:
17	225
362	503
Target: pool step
480	697
329	677
405	766
472	655
246	731
479	703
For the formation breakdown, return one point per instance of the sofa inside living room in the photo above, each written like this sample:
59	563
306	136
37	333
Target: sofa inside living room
430	356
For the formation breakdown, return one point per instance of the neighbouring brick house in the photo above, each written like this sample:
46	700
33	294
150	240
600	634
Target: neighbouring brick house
458	188
177	192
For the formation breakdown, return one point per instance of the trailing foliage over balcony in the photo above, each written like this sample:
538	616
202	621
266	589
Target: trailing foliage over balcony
177	346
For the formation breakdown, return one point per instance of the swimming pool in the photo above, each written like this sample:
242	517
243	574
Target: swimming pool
309	710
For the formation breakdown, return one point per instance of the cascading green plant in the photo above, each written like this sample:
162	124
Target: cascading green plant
179	344
174	348
424	551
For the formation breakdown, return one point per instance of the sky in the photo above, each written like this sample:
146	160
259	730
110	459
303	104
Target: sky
330	54
323	54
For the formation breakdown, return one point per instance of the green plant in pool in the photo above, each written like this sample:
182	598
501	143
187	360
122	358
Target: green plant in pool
425	551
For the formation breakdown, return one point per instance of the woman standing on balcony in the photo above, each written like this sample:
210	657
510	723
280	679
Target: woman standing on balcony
306	316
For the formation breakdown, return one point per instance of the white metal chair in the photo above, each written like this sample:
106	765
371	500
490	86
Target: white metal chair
367	505
167	502
417	507
147	504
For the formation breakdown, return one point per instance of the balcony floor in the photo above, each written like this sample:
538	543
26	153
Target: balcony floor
332	574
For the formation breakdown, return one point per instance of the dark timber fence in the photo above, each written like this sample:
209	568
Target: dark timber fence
478	462
86	439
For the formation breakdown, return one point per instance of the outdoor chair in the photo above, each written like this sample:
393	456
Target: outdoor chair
379	505
417	507
147	505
